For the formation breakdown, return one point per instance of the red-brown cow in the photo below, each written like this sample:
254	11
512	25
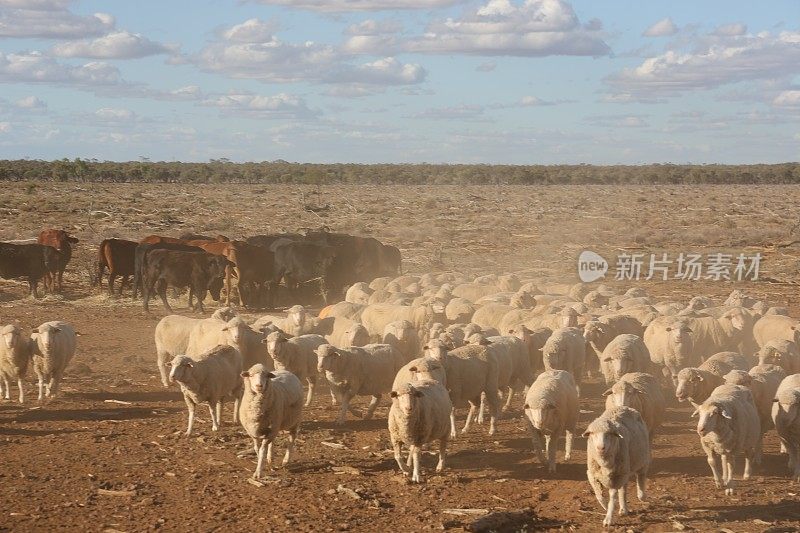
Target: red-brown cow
118	256
62	242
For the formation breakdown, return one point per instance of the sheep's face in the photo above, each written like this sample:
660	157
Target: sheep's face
769	355
276	345
12	336
523	300
594	332
407	399
689	380
356	336
181	369
604	443
624	394
543	417
236	330
426	369
786	413
327	358
738	377
256	380
680	334
556	354
226	314
711	418
297	316
569	318
697	303
621	366
47	336
435	349
736	319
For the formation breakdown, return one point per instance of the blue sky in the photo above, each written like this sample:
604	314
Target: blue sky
370	81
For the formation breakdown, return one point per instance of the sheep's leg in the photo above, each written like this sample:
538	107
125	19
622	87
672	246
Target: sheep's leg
748	465
214	423
190	405
41	387
255	445
453	432
759	451
714	462
551	442
728	459
568	446
510	396
269	453
260	461
622	494
494	413
345	398
5	389
472	408
442	454
333	398
52	386
398	456
162	368
311	384
415	455
537	444
236	403
219	413
612	502
290	447
481	408
372	405
21	387
597	488
795	453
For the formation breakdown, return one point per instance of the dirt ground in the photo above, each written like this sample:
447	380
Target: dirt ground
109	455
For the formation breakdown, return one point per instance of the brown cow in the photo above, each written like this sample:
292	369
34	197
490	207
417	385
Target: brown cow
252	267
199	271
62	242
158	239
118	256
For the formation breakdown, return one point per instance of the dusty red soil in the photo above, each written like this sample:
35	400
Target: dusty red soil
57	459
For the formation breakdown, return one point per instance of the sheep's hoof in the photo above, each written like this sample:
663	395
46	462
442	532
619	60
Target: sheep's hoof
607	522
623	512
729	492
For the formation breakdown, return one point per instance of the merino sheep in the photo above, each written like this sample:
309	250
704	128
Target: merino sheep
771	327
566	350
211	378
358	293
297	322
601	331
418	369
235	332
474	291
402	335
490	315
346	333
626	353
343	310
513	364
535	341
172	335
763	381
377	316
296	355
551	407
729	332
15	353
696	384
728	426
617	447
420	413
782	353
640	391
471	372
272	402
786	417
459	310
669	342
366	371
52	349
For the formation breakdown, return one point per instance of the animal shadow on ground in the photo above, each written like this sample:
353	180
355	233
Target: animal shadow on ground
63	415
37	432
137	396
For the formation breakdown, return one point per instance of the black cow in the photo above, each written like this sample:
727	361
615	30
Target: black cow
199	271
140	260
31	261
302	263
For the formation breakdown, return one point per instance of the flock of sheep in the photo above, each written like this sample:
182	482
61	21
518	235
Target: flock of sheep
437	342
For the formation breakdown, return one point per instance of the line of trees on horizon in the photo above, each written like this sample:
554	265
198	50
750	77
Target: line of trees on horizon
225	171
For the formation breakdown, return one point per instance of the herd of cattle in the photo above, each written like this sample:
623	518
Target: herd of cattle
310	265
438	341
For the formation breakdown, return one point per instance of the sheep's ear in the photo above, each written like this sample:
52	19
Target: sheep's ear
393	394
245	374
726	414
618	434
413	369
283	339
607	392
426	347
607	359
586	434
270	375
57	330
169	363
775	400
526	406
511	332
189	364
689	330
225	328
668	329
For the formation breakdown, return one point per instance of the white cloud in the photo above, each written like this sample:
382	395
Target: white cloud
258	106
713	62
251	31
5	127
488	66
459	112
386	71
731	30
529	101
498	28
374	27
34	67
663	28
340	6
49	19
30	102
116	45
111	114
787	99
617	121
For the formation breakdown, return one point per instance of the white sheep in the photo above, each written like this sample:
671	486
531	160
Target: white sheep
459	310
376	316
346	332
235	332
626	353
15	353
53	347
602	330
211	377
272	402
670	344
780	352
696	384
420	413
471	373
358	293
640	391
403	336
617	447
771	327
427	367
365	371
786	417
551	406
728	426
343	310
566	350
296	355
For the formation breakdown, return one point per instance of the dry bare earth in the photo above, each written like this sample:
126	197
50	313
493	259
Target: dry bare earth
83	462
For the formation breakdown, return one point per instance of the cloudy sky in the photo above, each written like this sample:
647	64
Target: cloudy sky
490	81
